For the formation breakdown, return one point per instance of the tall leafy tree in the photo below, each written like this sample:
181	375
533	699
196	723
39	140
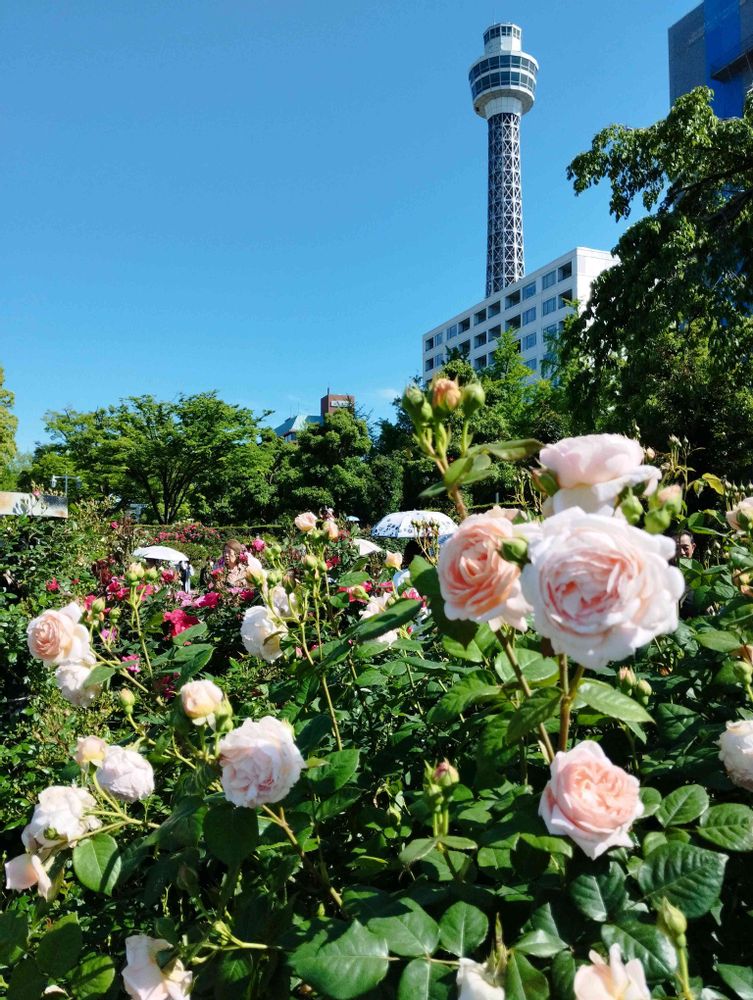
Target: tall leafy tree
8	425
665	344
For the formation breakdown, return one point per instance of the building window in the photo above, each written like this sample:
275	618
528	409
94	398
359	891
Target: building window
529	315
565	299
512	299
531	363
549	279
438	338
429	364
429	343
513	323
452	331
464	324
465	348
479	340
480	363
529	341
549	305
479	317
528	291
493	309
566	271
494	332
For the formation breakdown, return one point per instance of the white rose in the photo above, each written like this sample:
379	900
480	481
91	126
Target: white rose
143	978
476	982
254	570
330	529
393	560
600	588
744	507
89	750
283	604
375	606
305	522
736	752
61	816
71	678
261	636
25	871
593	470
126	775
260	762
616	981
56	636
200	701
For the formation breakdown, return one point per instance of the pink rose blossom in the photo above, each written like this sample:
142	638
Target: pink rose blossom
260	762
26	871
599	588
590	800
56	636
476	582
52	586
305	522
144	979
744	507
210	600
179	621
617	980
258	545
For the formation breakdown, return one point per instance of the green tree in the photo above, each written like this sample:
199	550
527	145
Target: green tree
665	344
162	453
8	426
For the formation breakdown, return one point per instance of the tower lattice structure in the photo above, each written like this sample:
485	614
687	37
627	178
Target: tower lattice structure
503	87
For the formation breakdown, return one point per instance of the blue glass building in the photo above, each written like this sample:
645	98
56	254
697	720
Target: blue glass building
713	46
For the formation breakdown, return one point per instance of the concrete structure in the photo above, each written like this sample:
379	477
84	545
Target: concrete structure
534	308
713	46
331	403
503	87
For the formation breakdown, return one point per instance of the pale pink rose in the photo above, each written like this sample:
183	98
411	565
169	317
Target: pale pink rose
593	470
56	636
260	762
305	522
374	606
283	604
600	588
61	817
72	681
25	871
744	507
616	981
90	750
143	979
201	700
330	529
126	775
393	560
254	570
669	494
477	982
590	800
476	582
736	752
261	636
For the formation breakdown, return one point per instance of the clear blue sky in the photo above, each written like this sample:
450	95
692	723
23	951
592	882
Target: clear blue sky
269	198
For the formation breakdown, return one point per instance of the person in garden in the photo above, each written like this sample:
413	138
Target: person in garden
685	547
232	564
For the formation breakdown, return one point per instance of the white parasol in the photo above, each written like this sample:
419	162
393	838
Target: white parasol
162	553
407	524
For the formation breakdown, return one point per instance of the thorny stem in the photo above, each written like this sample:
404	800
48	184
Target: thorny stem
546	743
683	974
569	691
321	871
332	715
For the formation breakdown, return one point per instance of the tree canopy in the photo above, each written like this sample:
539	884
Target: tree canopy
8	425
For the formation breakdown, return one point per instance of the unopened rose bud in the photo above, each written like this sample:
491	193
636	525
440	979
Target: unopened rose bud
743	671
670	497
445	396
657	521
632	509
115	613
417	406
445	775
330	530
515	550
745	653
98	606
627	679
127	700
393	560
310	561
672	920
134	573
650	454
545	482
643	691
151	574
474	398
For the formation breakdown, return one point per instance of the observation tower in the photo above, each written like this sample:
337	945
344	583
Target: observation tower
503	87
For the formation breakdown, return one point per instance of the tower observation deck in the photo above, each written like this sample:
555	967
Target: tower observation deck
503	87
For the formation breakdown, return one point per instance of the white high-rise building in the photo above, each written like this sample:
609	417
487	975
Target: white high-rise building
503	87
533	307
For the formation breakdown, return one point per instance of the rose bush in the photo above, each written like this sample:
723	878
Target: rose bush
321	787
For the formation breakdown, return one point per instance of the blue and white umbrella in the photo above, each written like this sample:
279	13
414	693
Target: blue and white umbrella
410	523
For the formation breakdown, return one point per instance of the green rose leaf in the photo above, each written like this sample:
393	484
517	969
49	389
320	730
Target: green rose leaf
690	877
462	928
346	967
729	826
653	949
418	849
422	980
336	771
540	944
14	931
599	896
512	451
99	675
96	862
183	827
476	687
683	805
394	617
541	706
231	833
59	949
651	799
425	580
522	981
26	981
93	977
608	701
739	978
410	933
720	642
